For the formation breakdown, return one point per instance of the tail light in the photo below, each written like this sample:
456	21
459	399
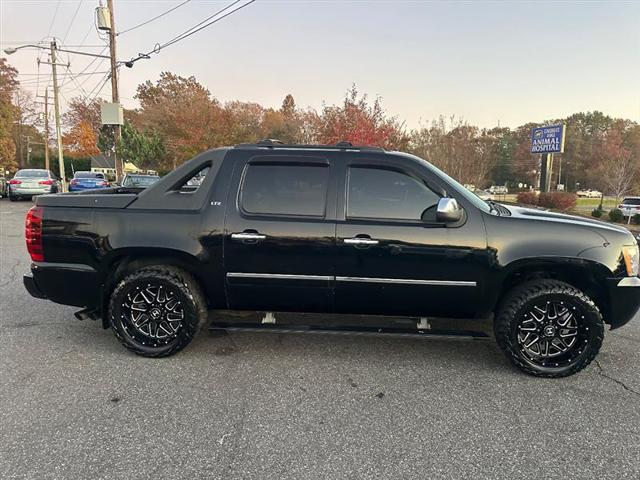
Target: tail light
73	182
104	184
33	234
46	182
14	182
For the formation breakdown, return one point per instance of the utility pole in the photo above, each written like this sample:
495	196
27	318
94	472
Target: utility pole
56	106
46	128
117	132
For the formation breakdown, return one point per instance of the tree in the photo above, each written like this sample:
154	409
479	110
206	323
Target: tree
81	141
617	167
8	85
183	113
360	123
144	150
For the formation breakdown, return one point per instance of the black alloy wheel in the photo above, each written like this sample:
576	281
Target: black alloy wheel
156	311
549	328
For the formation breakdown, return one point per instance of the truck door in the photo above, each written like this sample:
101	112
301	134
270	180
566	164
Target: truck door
393	258
279	234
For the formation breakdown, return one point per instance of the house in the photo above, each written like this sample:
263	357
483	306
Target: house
106	164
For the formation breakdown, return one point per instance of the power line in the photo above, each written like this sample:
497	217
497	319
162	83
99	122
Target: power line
154	18
196	28
55	14
73	19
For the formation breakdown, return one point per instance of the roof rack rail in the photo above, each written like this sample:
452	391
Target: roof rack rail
270	142
273	143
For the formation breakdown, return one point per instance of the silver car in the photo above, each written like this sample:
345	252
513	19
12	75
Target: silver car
29	182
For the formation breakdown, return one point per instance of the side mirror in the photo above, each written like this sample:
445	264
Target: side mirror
448	211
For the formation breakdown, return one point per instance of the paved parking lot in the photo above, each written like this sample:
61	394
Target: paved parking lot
74	404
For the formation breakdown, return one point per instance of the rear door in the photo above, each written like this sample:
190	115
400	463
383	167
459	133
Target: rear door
393	258
279	233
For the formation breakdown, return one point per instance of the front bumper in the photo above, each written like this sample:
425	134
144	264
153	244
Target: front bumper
624	296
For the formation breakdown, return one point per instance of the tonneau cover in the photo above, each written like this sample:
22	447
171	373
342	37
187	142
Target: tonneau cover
84	200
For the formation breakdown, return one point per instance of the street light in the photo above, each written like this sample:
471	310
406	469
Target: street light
12	50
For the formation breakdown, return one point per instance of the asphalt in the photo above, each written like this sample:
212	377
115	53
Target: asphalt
75	404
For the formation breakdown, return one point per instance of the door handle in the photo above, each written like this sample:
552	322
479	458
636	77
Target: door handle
250	236
361	241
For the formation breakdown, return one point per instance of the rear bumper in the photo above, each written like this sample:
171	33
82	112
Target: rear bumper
32	287
624	295
29	191
65	283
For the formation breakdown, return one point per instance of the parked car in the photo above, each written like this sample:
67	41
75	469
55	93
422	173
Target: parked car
88	181
3	187
498	190
27	183
483	194
589	193
139	181
630	206
310	238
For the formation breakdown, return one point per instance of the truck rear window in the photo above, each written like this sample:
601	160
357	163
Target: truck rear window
299	190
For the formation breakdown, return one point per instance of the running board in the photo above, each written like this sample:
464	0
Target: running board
287	322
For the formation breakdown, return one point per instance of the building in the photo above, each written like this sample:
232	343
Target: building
106	164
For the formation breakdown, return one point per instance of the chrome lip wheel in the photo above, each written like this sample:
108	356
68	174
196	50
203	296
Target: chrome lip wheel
153	315
550	333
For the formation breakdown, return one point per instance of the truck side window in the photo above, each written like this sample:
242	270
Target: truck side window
388	194
280	189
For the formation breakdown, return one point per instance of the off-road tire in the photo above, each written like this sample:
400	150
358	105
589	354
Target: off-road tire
515	304
185	287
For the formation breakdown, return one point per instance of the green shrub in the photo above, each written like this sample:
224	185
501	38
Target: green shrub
558	200
616	215
636	219
597	212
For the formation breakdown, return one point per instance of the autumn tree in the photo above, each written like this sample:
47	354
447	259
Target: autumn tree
361	123
8	85
81	141
183	113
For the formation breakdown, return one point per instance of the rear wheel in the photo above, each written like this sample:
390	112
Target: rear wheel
549	328
156	311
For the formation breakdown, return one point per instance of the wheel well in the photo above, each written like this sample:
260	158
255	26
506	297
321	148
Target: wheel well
122	265
580	277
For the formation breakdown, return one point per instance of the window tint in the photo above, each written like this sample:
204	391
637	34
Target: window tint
381	193
31	174
631	201
88	175
285	189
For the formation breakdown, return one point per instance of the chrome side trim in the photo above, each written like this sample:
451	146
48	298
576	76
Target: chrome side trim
408	281
281	276
327	278
65	266
629	282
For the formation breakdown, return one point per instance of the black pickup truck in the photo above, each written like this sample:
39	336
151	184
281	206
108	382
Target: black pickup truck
297	237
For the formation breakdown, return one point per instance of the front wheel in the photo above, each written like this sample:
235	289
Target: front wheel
549	328
156	311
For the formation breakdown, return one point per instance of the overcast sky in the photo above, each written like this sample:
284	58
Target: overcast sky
488	62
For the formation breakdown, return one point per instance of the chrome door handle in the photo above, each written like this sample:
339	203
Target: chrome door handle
361	241
248	236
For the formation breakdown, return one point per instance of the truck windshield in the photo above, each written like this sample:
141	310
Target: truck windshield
454	185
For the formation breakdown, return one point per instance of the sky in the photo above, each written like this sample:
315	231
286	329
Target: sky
489	63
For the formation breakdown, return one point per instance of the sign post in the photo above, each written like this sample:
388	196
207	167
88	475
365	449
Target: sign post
547	141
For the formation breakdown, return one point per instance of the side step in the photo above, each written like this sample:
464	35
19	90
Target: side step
287	322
